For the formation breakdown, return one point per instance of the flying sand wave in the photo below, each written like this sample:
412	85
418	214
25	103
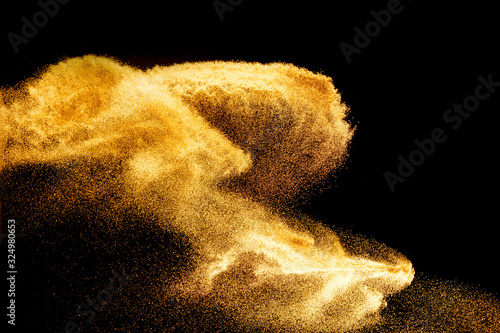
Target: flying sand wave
210	150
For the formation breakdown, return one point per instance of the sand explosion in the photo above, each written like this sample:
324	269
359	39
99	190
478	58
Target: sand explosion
207	150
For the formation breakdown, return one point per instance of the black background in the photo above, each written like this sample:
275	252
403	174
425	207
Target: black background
444	216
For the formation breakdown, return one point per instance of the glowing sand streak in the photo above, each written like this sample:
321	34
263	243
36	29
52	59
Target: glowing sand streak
201	147
329	280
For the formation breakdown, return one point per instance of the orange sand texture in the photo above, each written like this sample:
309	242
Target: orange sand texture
215	151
